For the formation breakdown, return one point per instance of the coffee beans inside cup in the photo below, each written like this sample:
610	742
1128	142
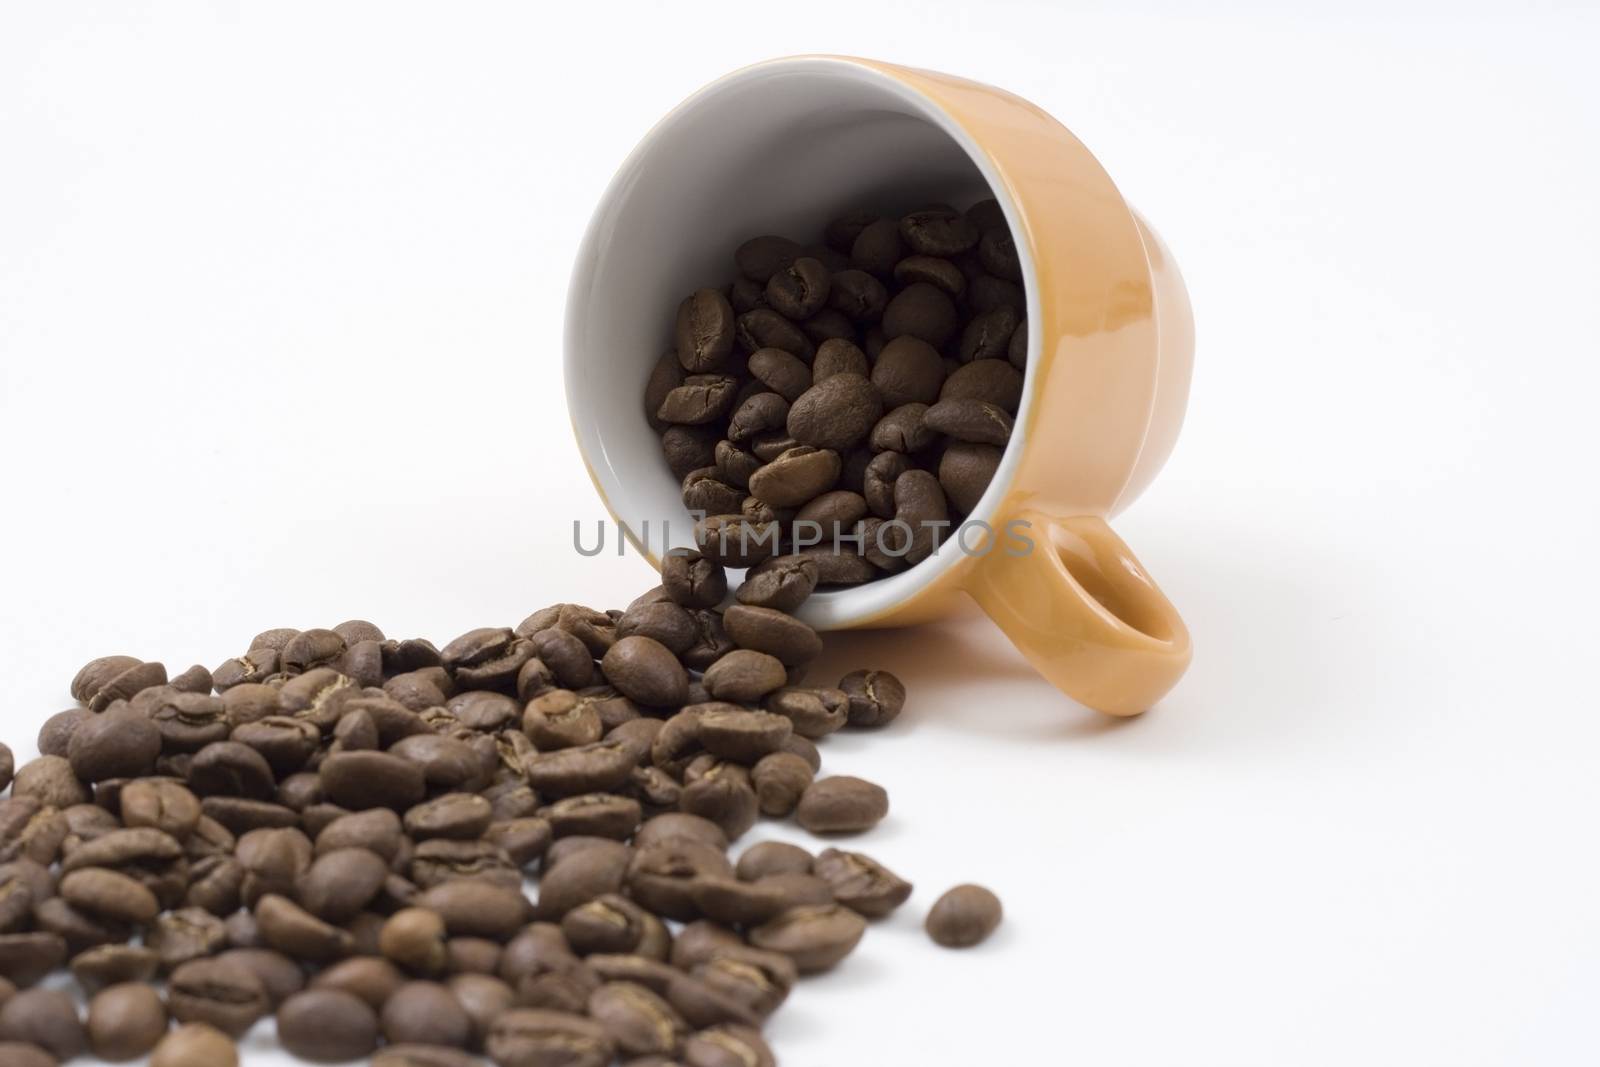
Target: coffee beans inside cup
337	828
846	401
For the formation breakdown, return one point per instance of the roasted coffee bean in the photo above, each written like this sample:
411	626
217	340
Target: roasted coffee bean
1017	350
786	375
920	505
905	429
414	938
964	916
933	270
938	232
703	491
781	583
371	978
597	768
47	1019
921	311
638	1021
160	803
660	620
728	1045
970	420
965	471
220	993
723	794
796	475
118	743
878	482
842	805
126	1021
704	331
991	380
780	779
108	965
341	882
908	371
773	857
765	328
645	670
876	697
327	1026
484	998
815	713
528	1037
426	1013
861	883
581	877
988	336
280	976
471	955
800	289
744	676
195	1045
772	632
290	929
836	357
476	907
593	815
229	768
836	413
51	781
688	447
27	957
111	678
877	248
109	895
311	649
815	937
761	257
372	779
609	923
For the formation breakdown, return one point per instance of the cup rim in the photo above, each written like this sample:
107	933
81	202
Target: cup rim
857	605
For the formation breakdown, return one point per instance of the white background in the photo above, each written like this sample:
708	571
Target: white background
280	318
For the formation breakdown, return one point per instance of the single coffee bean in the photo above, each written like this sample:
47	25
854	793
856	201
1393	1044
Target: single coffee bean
593	815
220	993
161	803
484	998
692	580
922	311
704	331
107	965
196	1045
23	1054
745	676
735	541
773	857
937	232
970	420
661	873
47	1018
800	289
838	356
814	937
728	1045
25	958
761	257
861	883
661	620
964	916
104	681
836	413
372	779
109	895
528	1037
908	371
988	336
773	632
609	923
781	583
965	471
723	793
638	1021
327	1026
229	768
645	670
876	697
877	248
780	779
426	1013
992	380
920	505
51	781
786	375
702	398
1017	350
118	743
474	907
372	979
903	430
796	475
340	883
566	656
687	447
765	328
280	976
292	930
842	805
126	1021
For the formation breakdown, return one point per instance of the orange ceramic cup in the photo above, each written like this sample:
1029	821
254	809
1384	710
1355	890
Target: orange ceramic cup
783	146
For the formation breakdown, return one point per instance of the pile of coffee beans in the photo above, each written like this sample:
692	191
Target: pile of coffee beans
849	400
335	829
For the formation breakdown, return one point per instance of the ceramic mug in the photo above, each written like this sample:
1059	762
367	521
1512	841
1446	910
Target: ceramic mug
783	146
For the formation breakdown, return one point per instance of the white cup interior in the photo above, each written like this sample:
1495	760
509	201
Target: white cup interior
778	148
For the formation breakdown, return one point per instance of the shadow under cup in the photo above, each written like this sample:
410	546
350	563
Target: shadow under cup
779	149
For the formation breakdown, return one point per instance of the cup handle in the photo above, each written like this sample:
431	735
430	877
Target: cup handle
1081	609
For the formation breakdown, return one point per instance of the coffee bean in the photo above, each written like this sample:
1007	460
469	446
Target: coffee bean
162	804
1017	350
372	779
110	895
111	678
638	1021
45	1018
426	1013
905	429
964	916
220	993
51	781
920	311
920	505
773	632
861	883
27	957
704	331
661	620
877	248
796	475
108	965
761	257
965	471
800	289
728	1045
126	1021
759	415
938	232
593	815
765	328
645	670
687	447
842	805
836	413
196	1045
780	779
528	1037
294	931
118	743
908	371
992	380
280	976
876	697
970	420
745	676
814	937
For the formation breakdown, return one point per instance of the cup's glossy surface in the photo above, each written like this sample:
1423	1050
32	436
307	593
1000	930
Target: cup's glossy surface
785	145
